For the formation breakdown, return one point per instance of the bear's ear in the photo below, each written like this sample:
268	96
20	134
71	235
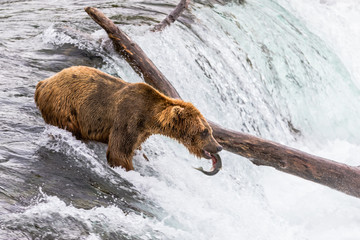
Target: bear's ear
170	115
177	112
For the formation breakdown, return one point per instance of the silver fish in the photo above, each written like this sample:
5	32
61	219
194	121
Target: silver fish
217	165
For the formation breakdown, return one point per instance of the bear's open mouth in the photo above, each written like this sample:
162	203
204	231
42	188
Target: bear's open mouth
206	154
216	163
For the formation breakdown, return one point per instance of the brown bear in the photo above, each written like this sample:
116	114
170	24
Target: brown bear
96	106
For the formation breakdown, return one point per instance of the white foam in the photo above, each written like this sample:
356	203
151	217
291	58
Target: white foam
60	140
321	212
67	222
226	206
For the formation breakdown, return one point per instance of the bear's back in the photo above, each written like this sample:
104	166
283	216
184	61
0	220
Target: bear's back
69	99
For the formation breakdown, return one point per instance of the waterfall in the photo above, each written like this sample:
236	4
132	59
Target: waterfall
277	69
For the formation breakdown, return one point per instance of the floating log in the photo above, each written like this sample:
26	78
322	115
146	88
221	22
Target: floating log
333	174
183	4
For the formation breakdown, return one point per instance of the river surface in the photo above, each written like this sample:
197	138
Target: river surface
283	70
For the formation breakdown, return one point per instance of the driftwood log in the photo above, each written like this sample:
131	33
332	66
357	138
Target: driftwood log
335	175
172	16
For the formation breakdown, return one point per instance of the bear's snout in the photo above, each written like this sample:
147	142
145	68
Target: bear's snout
213	146
213	149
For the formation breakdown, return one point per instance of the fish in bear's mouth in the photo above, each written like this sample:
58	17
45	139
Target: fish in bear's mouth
216	163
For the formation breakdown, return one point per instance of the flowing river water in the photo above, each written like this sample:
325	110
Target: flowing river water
282	70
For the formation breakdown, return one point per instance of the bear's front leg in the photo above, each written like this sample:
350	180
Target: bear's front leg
121	147
115	159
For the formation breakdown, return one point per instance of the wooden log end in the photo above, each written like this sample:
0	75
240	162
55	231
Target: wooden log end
88	9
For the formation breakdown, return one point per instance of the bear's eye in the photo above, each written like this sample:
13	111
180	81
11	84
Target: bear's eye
204	133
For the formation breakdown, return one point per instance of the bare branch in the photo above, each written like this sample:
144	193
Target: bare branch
172	16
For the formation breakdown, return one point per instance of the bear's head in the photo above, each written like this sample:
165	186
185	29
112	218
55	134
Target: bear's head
185	123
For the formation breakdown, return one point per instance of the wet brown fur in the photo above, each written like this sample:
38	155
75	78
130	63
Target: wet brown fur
96	106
